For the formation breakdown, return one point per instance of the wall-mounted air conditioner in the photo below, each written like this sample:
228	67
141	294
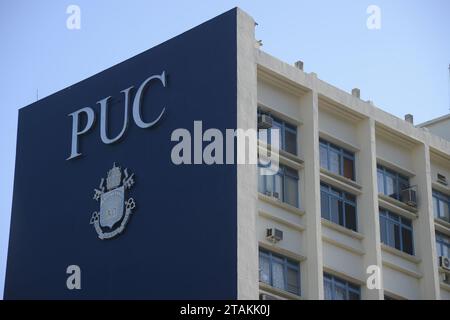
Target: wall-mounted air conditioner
444	262
274	235
264	121
442	179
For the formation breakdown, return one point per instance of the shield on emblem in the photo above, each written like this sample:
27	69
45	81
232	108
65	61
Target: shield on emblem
111	207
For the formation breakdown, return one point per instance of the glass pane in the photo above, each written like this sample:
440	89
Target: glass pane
291	142
444	210
292	280
439	250
335	163
380	182
269	183
390	186
350	217
264	269
328	290
324	207
278	187
436	207
323	156
396	233
277	127
277	275
334	209
407	241
291	191
353	295
348	169
261	184
340	293
383	229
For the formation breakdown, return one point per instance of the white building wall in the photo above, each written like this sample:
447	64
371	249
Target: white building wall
319	109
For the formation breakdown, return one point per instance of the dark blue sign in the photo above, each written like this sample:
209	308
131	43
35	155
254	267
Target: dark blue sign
180	239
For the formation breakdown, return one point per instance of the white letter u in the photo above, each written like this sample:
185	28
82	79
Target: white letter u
104	118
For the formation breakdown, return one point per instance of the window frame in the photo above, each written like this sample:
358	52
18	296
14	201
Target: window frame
284	126
397	220
343	197
341	283
397	177
343	154
283	172
288	264
441	197
441	241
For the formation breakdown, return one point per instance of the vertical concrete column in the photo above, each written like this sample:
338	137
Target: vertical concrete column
368	215
309	112
424	233
247	250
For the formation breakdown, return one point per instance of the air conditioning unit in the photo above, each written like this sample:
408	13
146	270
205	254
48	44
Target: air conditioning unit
274	235
409	196
264	296
264	121
442	179
444	262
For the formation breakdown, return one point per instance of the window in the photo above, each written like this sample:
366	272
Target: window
337	159
338	289
391	183
442	245
279	272
396	231
338	206
288	134
282	185
441	206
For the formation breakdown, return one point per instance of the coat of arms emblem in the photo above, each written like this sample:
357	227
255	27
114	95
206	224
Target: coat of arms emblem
114	212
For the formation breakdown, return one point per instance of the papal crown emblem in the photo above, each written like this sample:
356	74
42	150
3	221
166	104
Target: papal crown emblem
114	210
114	177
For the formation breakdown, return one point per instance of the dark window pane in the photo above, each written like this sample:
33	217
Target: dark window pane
353	295
292	281
350	197
290	140
397	237
324	206
383	230
348	169
328	288
350	217
291	191
407	241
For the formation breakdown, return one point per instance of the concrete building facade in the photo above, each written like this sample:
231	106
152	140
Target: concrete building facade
358	190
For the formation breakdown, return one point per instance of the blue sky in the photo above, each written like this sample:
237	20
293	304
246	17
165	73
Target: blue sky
403	67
